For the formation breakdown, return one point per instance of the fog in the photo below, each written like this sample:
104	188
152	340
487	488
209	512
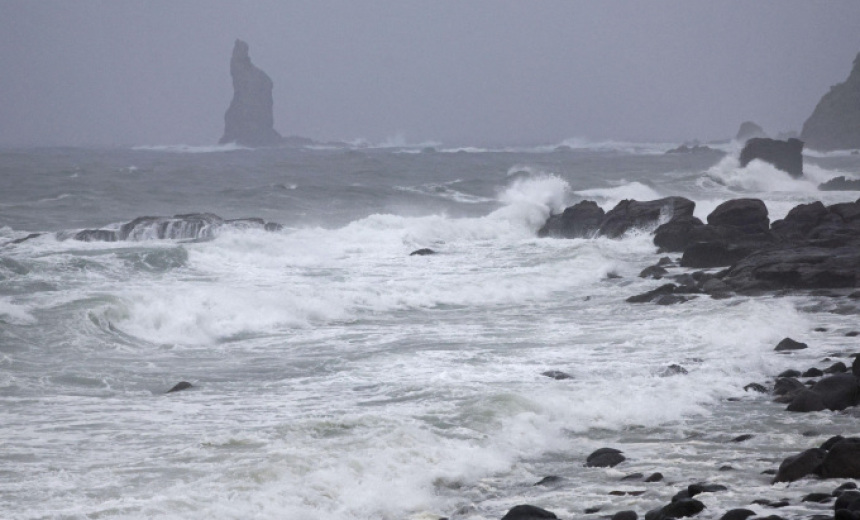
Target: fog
483	72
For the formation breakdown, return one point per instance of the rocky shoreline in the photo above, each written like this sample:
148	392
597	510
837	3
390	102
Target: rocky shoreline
815	249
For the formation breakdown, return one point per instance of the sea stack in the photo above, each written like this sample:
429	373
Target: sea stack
249	120
835	122
784	155
748	130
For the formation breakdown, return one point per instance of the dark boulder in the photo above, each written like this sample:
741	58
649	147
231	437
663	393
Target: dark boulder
806	401
605	458
842	460
182	385
631	214
678	234
798	466
653	271
704	255
578	221
813	372
249	120
737	514
425	251
625	515
654	477
678	509
548	481
528	512
789	344
557	375
801	220
748	216
784	155
666	289
838	391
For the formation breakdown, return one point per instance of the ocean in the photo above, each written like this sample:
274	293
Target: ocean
336	377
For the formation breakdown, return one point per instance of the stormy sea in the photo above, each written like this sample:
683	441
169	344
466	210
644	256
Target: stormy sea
334	375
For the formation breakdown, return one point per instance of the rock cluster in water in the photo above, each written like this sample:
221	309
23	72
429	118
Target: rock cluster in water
249	120
813	247
835	122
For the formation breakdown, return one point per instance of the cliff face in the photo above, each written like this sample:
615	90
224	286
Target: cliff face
249	120
835	122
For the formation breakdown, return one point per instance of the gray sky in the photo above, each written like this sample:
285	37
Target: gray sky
112	72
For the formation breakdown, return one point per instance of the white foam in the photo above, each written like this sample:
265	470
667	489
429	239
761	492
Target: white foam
15	313
609	197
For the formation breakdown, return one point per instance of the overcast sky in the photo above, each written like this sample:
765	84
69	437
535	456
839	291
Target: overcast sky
113	72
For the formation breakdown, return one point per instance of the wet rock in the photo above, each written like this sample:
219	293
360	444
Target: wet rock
673	370
836	368
581	220
852	334
548	481
654	477
783	155
844	487
755	387
771	503
592	510
798	466
654	271
557	375
182	385
528	512
787	386
790	344
747	216
737	514
678	509
818	498
790	373
670	299
742	438
704	487
649	296
713	254
625	515
422	252
605	458
631	214
813	372
680	233
838	392
806	401
726	468
842	460
632	476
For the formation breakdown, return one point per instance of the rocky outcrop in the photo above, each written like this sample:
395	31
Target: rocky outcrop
840	183
192	226
748	130
586	219
249	120
835	122
784	155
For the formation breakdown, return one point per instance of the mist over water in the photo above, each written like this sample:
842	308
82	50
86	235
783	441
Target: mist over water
335	376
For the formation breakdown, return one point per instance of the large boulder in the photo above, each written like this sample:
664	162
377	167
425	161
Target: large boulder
249	120
842	460
798	466
528	512
784	155
578	221
747	216
835	122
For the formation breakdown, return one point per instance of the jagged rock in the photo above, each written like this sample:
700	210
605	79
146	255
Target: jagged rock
835	122
692	149
578	221
748	130
249	120
783	155
632	214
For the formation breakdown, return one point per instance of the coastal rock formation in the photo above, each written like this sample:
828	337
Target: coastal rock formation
586	219
748	130
249	120
840	183
192	226
784	155
835	122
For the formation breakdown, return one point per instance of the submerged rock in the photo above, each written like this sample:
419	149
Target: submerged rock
178	387
249	120
605	458
783	155
798	466
422	252
790	344
528	512
835	122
